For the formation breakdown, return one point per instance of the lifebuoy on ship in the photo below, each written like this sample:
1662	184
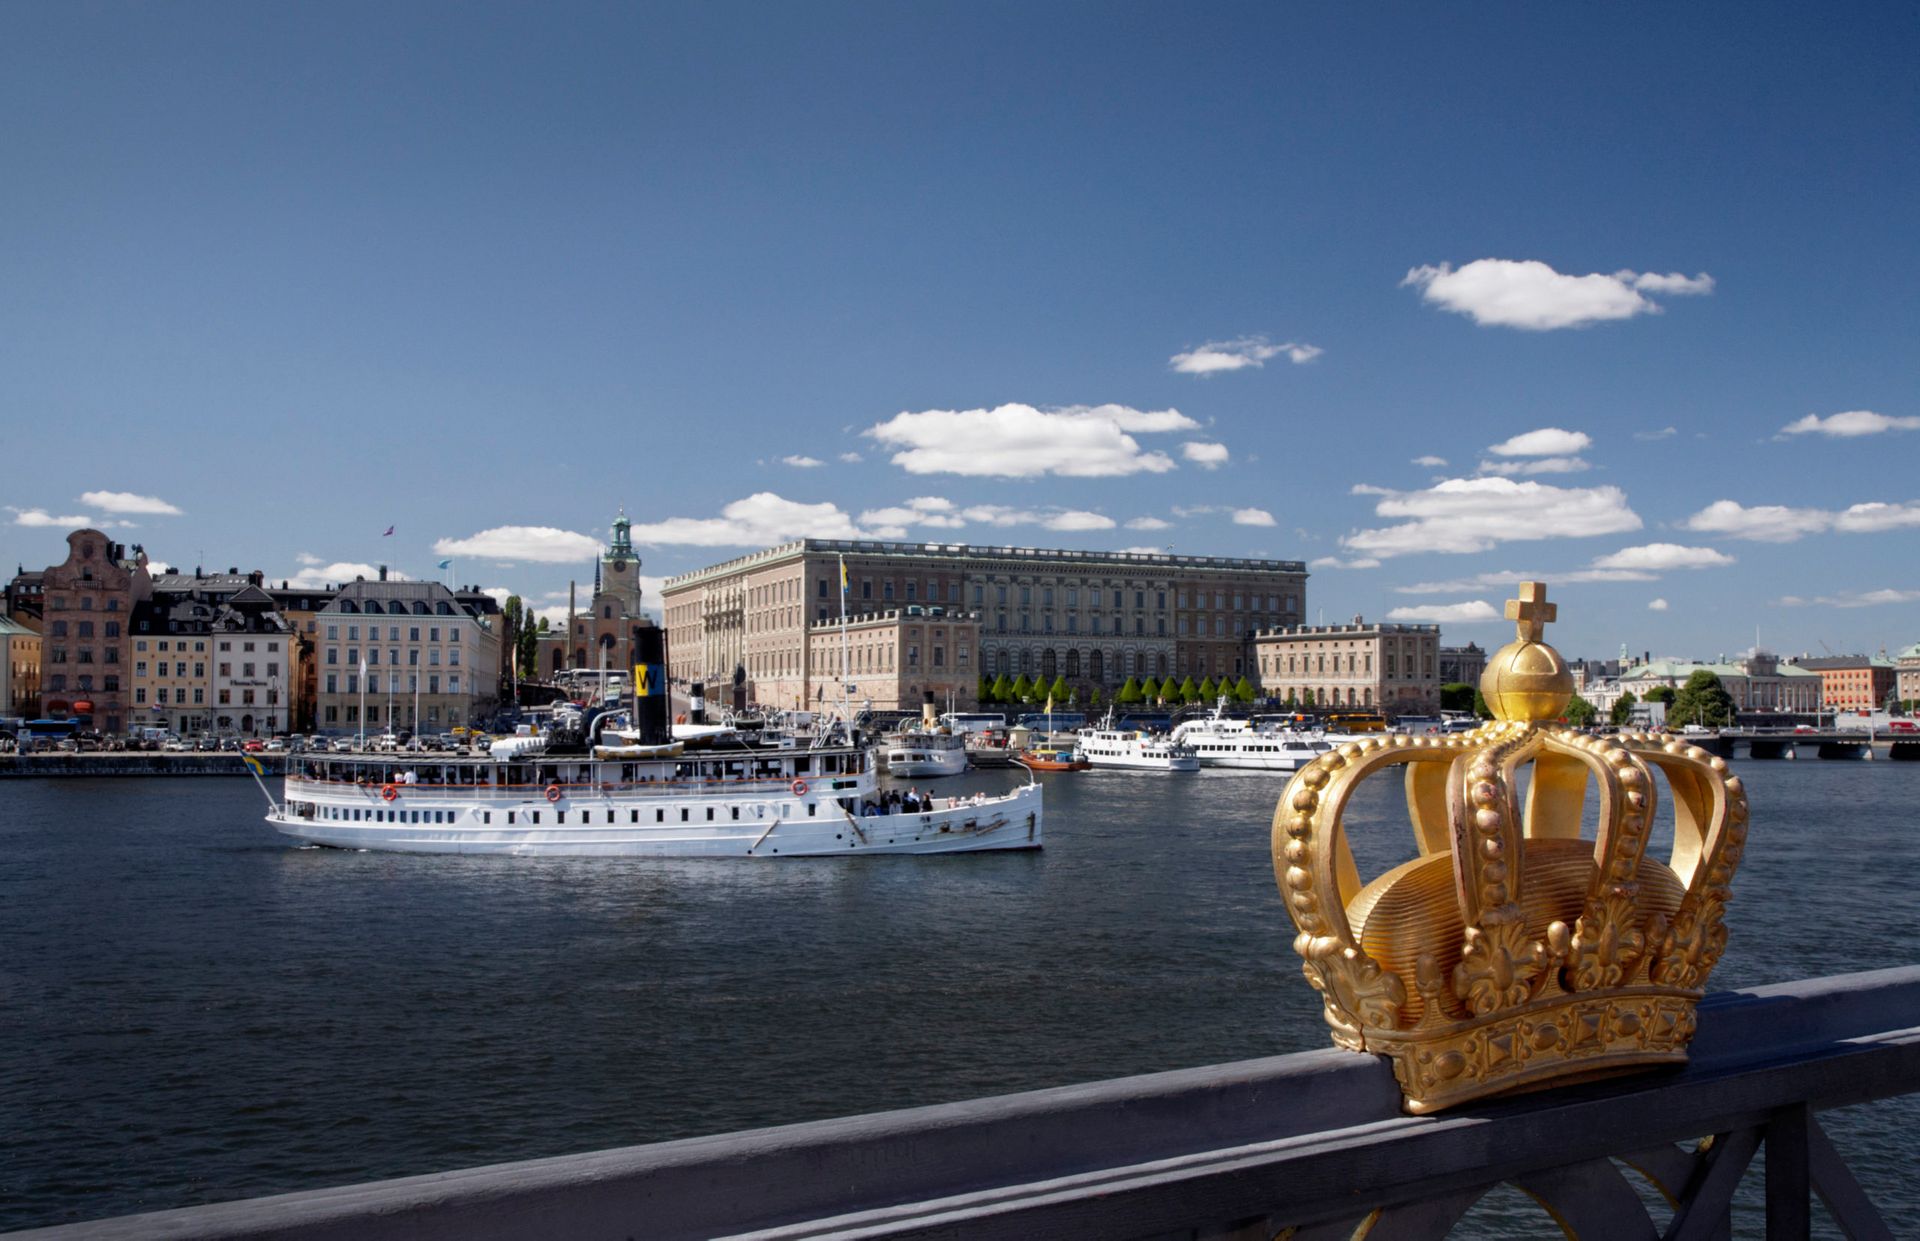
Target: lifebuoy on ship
388	792
799	788
553	792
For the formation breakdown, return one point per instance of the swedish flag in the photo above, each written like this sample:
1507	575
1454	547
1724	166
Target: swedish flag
254	765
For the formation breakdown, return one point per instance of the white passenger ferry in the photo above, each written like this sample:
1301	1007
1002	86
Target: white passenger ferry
590	790
1132	750
1218	741
922	755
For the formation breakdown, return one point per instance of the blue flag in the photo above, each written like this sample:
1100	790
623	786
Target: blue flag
446	564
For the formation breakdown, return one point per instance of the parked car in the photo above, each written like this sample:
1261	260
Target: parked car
342	745
176	746
1902	726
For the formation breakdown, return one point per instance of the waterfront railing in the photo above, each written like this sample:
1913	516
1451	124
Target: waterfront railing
1309	1147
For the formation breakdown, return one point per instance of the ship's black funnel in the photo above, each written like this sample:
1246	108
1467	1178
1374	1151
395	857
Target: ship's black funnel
651	706
697	703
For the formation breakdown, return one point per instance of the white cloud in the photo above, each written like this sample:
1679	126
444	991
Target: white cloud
1194	510
1873	517
1774	523
802	463
1509	577
40	517
1334	562
1148	523
1657	605
1545	442
1431	463
1475	514
1079	519
542	544
930	511
1207	456
1051	519
1848	425
1143	551
1253	517
499	594
128	502
1664	433
1672	282
1020	441
1443	613
555	616
1533	296
1854	599
1233	355
316	576
851	457
308	558
759	519
1543	465
1661	557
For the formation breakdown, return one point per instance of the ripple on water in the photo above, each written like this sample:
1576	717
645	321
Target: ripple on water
200	1013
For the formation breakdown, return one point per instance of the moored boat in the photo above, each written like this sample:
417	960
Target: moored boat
1051	760
1221	741
1131	749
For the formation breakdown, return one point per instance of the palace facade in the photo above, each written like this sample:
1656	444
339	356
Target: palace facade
750	628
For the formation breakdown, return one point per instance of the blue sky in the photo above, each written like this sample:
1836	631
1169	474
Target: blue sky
1223	279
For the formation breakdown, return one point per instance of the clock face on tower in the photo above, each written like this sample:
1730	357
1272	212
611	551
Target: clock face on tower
619	566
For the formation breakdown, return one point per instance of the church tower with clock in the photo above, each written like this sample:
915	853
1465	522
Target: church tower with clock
620	567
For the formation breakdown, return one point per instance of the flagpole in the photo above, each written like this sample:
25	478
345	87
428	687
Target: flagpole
361	744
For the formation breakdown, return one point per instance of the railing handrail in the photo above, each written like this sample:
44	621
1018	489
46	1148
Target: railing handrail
1297	1139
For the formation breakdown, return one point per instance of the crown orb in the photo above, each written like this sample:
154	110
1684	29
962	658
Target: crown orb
1526	682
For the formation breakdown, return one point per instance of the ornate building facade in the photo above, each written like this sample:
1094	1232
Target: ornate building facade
1381	667
89	600
753	624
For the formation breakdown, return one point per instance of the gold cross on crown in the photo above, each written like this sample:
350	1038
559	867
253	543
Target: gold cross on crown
1532	611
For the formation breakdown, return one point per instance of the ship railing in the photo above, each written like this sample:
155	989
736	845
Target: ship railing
375	791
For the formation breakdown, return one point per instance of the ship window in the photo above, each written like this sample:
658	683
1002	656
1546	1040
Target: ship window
659	816
811	808
736	812
536	816
634	816
510	817
486	816
709	814
683	815
560	817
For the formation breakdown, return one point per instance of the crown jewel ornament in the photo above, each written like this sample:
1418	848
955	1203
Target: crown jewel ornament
1513	953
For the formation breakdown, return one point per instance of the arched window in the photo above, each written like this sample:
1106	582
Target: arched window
1098	666
1049	665
1073	665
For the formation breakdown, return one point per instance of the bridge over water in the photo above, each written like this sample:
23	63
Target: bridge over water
1829	744
1306	1147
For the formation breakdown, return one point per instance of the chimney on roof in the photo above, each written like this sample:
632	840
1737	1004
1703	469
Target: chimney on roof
383	573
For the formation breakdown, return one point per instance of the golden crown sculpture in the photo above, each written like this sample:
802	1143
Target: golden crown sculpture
1512	953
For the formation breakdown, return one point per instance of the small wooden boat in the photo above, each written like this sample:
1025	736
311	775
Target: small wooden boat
1051	760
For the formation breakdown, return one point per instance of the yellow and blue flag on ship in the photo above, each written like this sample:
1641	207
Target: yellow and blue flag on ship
843	577
254	765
